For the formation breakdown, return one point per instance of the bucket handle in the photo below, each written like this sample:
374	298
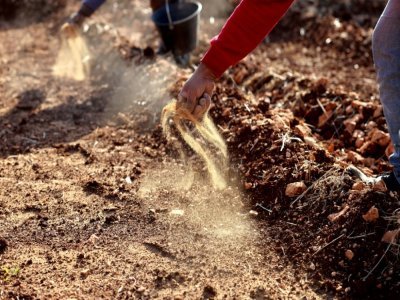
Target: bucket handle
171	24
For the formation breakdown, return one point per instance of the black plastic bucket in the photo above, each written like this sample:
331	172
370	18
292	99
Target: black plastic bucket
178	24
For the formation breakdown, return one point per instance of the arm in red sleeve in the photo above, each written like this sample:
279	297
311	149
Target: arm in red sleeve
251	21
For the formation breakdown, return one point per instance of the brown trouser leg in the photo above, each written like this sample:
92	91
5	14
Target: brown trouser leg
156	4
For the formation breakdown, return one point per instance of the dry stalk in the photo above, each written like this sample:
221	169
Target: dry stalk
377	264
330	243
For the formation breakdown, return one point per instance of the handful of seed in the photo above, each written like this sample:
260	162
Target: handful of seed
73	57
204	139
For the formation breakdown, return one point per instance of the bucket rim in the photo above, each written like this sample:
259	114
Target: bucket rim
197	12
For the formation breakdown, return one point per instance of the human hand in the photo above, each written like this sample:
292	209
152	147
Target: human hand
69	30
195	95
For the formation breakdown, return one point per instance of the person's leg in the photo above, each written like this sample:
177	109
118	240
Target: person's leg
386	53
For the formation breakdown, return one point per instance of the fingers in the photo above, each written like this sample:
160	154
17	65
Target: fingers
195	94
187	100
69	30
202	106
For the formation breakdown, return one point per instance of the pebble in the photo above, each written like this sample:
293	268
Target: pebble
312	266
349	254
295	189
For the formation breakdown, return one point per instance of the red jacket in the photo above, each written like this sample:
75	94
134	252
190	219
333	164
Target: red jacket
251	21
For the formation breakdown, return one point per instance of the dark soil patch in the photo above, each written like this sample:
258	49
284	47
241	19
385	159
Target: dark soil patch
35	10
3	245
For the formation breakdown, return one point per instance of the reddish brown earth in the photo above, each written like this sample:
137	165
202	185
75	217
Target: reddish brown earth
91	201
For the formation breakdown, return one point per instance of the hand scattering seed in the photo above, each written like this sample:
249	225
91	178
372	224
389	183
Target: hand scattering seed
204	140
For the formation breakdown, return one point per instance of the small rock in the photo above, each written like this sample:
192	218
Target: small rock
302	130
253	213
359	142
357	104
367	148
248	185
349	254
128	180
379	186
358	186
371	125
177	212
391	236
354	157
312	142
295	189
226	112
352	122
335	216
312	267
372	215
379	137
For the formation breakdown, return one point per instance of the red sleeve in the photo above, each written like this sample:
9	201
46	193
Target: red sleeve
249	24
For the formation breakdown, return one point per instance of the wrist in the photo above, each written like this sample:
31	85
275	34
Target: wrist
206	72
77	19
85	10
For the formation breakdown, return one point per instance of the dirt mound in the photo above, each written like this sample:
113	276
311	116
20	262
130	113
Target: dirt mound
340	28
285	135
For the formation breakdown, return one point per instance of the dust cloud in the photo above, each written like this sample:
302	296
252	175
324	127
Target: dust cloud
219	214
145	86
73	60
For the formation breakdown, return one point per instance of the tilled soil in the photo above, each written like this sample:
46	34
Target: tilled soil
92	204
